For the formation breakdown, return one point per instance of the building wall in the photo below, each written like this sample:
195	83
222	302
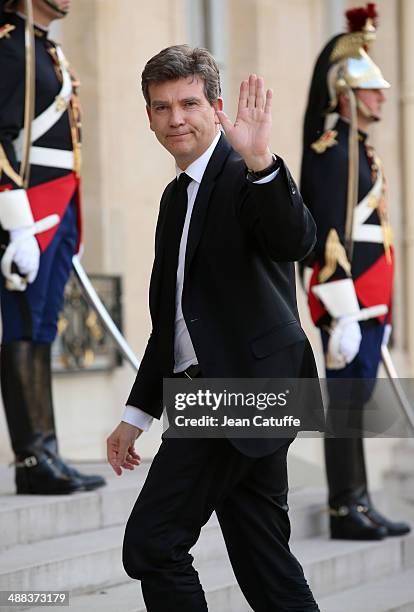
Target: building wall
125	169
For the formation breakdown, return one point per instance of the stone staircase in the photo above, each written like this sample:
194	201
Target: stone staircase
74	544
399	479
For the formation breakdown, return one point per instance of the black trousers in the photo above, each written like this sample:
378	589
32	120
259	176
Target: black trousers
349	390
345	471
187	481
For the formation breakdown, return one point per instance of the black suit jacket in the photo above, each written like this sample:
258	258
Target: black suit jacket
239	297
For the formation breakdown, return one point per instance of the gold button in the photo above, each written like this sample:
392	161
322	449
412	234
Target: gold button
60	103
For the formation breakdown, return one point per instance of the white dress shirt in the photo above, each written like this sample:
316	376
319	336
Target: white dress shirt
184	354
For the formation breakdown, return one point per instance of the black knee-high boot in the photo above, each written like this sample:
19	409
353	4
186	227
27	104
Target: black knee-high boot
347	484
46	419
353	515
21	385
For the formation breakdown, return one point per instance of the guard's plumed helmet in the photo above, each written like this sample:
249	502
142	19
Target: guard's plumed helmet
343	63
351	64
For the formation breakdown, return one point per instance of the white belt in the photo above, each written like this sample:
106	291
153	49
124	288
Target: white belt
363	210
368	233
52	158
43	122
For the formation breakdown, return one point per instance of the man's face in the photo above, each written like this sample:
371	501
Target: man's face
373	99
52	9
182	118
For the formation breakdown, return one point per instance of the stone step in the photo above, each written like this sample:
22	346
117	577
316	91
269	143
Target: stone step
28	519
69	563
308	512
400	483
93	560
399	479
391	594
334	565
219	584
85	560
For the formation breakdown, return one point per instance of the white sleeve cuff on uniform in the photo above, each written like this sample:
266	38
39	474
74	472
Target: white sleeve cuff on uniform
339	297
138	418
15	211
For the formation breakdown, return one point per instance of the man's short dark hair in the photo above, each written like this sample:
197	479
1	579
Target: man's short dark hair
180	61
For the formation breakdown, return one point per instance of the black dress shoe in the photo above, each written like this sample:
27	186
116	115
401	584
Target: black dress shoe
351	523
394	528
41	475
90	482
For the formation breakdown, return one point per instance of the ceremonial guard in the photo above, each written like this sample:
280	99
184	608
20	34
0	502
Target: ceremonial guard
350	291
40	232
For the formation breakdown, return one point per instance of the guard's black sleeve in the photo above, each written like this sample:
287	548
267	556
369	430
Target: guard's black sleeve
12	81
326	192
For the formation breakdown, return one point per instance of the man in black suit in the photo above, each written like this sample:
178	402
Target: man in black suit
223	304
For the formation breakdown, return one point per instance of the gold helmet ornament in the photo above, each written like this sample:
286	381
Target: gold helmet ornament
351	66
343	66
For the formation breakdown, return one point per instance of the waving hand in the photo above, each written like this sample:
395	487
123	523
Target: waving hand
250	134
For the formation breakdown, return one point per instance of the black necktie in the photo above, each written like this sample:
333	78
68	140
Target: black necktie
176	213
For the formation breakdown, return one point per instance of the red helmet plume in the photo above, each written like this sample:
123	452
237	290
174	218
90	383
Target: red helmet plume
357	17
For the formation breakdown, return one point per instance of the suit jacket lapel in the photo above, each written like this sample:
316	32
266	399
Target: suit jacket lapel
155	282
214	167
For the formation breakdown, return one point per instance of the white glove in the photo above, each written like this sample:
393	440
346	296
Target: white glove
387	334
344	343
27	254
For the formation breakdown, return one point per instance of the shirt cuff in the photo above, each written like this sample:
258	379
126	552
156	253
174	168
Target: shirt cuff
267	179
138	418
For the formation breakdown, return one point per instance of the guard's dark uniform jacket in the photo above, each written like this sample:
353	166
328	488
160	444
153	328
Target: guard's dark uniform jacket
362	268
55	151
324	188
30	312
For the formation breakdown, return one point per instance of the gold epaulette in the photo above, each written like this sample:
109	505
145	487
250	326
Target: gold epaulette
335	255
6	29
327	140
7	168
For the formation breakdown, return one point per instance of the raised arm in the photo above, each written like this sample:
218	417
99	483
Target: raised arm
250	133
